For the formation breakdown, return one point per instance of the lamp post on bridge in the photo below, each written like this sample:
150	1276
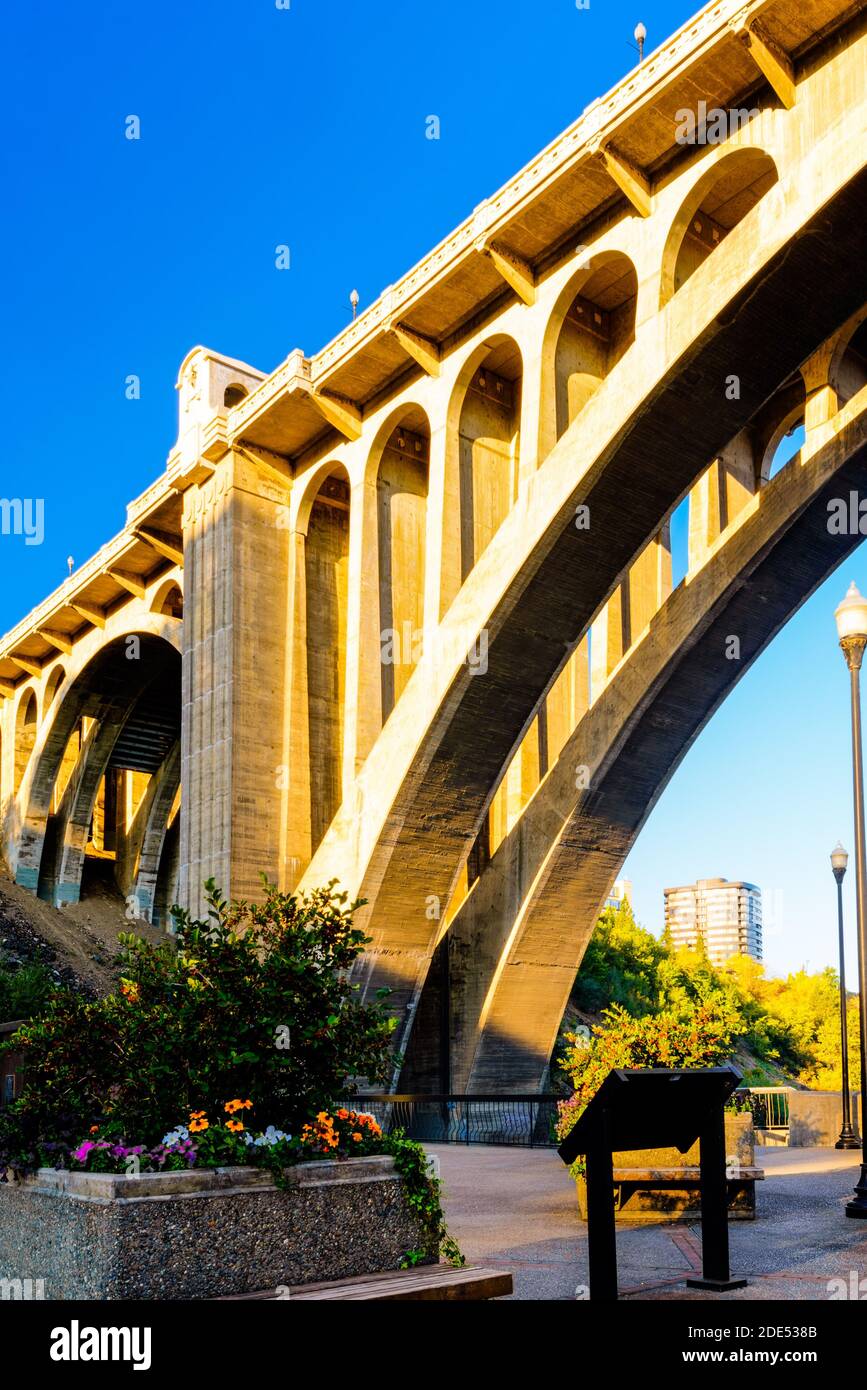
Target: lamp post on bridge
851	618
847	1140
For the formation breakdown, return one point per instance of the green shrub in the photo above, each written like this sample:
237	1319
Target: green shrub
24	990
704	1037
253	1003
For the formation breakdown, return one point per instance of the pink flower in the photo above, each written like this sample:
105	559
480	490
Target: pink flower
80	1154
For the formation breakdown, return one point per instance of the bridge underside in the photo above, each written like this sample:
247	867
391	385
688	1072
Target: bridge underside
502	972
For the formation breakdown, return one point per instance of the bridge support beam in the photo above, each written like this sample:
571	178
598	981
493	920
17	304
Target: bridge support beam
237	557
771	60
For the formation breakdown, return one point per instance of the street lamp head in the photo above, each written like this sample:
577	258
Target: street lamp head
851	615
640	33
839	860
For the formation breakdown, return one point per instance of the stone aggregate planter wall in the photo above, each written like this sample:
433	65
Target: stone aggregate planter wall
192	1235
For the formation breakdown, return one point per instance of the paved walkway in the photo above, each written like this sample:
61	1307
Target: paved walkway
517	1208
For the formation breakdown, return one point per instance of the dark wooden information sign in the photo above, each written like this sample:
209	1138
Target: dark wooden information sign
650	1108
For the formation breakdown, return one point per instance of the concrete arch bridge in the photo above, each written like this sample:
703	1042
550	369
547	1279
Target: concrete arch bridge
388	600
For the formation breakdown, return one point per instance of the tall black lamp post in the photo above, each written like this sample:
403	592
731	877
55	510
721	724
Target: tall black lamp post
851	617
847	1140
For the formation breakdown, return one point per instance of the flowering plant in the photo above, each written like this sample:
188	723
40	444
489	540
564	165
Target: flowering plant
224	1143
345	1134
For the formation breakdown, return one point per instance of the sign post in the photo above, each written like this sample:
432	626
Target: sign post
646	1108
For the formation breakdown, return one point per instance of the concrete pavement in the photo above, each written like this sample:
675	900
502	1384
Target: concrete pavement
517	1208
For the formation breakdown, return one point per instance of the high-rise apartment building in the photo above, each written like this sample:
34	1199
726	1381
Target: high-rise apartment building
726	916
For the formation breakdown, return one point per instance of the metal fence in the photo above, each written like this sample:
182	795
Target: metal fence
770	1108
528	1121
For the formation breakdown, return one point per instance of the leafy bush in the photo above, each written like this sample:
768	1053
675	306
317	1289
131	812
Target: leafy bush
24	990
704	1038
254	1002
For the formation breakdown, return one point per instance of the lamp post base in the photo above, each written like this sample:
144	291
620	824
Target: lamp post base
716	1285
847	1139
857	1205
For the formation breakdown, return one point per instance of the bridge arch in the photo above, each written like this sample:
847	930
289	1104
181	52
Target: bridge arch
590	327
542	579
504	968
115	716
721	197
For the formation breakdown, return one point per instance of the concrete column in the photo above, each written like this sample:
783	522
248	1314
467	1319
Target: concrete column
532	387
296	833
822	401
363	709
236	556
437	560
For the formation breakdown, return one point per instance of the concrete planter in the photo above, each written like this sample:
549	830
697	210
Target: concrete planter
202	1234
643	1199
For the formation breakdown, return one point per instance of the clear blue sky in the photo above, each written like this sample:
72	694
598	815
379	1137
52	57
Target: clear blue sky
262	126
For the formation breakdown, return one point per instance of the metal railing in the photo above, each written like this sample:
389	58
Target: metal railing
769	1106
525	1120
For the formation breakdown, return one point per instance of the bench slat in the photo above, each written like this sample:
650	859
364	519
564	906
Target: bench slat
426	1282
687	1176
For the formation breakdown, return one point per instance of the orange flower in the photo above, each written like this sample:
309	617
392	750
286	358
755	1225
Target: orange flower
94	1129
129	990
343	1114
197	1114
357	1138
235	1126
198	1126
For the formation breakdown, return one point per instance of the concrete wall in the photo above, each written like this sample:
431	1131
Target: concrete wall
815	1117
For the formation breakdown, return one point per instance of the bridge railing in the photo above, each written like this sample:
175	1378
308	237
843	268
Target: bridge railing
769	1106
523	1120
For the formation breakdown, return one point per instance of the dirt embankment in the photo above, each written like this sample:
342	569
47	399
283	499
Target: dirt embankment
77	943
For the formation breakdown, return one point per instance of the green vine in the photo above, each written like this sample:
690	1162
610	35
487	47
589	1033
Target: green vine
422	1194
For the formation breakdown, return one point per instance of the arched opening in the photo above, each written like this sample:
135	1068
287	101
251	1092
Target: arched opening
25	735
233	395
789	445
55	681
778	429
326	569
851	371
597	328
169	602
488	449
718	202
109	731
401	506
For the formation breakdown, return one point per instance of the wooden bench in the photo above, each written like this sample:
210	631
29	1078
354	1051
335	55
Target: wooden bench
640	1193
439	1283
